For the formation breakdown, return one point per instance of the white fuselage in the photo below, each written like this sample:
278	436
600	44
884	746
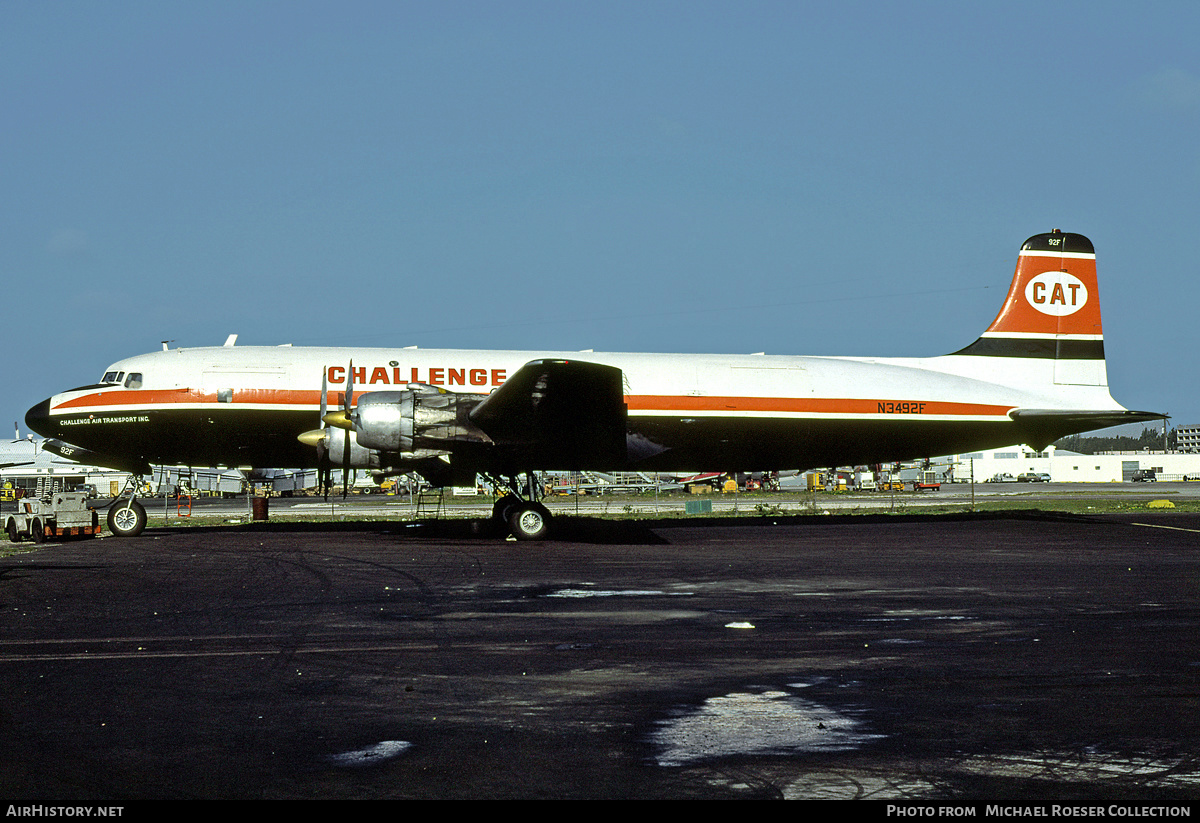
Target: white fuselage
235	405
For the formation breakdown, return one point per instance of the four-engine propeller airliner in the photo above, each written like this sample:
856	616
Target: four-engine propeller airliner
1037	374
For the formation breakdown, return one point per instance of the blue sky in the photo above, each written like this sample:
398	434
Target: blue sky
796	178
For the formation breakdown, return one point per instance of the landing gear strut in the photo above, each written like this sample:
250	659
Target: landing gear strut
526	519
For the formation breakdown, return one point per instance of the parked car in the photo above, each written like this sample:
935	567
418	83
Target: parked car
1144	476
1031	477
1003	477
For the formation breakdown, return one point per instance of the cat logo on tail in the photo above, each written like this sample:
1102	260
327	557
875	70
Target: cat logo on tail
1054	292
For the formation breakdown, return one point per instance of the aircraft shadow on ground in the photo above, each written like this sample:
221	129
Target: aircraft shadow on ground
566	529
598	530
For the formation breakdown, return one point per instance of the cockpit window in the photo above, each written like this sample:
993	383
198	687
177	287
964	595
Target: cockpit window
113	377
134	380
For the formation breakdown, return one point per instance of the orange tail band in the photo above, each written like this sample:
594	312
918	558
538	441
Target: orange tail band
1053	305
1054	290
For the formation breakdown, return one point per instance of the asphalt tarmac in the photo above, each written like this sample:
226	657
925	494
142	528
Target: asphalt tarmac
1015	658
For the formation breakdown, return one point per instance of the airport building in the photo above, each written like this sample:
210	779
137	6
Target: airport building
24	465
1071	467
1187	438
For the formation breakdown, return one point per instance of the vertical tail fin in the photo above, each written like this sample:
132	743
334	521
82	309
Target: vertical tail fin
1048	340
1052	311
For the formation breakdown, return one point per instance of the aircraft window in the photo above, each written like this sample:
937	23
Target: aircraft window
109	377
134	380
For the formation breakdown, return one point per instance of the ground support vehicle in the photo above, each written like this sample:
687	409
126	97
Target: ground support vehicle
928	481
65	514
887	484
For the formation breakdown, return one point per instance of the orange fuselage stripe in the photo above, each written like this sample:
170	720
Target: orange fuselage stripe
163	399
811	405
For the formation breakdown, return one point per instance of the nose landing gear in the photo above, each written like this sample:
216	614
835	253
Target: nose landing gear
126	516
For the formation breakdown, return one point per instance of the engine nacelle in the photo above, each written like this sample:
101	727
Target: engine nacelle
419	422
343	451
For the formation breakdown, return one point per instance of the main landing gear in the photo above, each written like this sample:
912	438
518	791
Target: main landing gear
526	519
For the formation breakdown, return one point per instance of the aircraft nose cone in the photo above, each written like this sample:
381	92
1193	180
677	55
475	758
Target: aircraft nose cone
37	419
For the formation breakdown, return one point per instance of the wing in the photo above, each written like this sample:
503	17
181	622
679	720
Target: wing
563	414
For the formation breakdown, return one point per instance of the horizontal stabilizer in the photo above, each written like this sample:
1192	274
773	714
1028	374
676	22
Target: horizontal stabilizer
1042	427
92	458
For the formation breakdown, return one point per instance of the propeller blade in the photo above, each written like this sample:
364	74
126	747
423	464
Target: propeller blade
324	391
319	438
347	406
323	448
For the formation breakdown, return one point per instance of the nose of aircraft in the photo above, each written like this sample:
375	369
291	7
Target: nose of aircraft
37	419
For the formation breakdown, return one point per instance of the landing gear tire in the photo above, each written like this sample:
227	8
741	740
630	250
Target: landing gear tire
502	510
127	519
529	521
504	507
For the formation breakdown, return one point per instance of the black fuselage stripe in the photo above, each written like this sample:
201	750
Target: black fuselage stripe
1042	349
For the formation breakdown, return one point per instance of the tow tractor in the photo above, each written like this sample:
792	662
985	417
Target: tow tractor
59	515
